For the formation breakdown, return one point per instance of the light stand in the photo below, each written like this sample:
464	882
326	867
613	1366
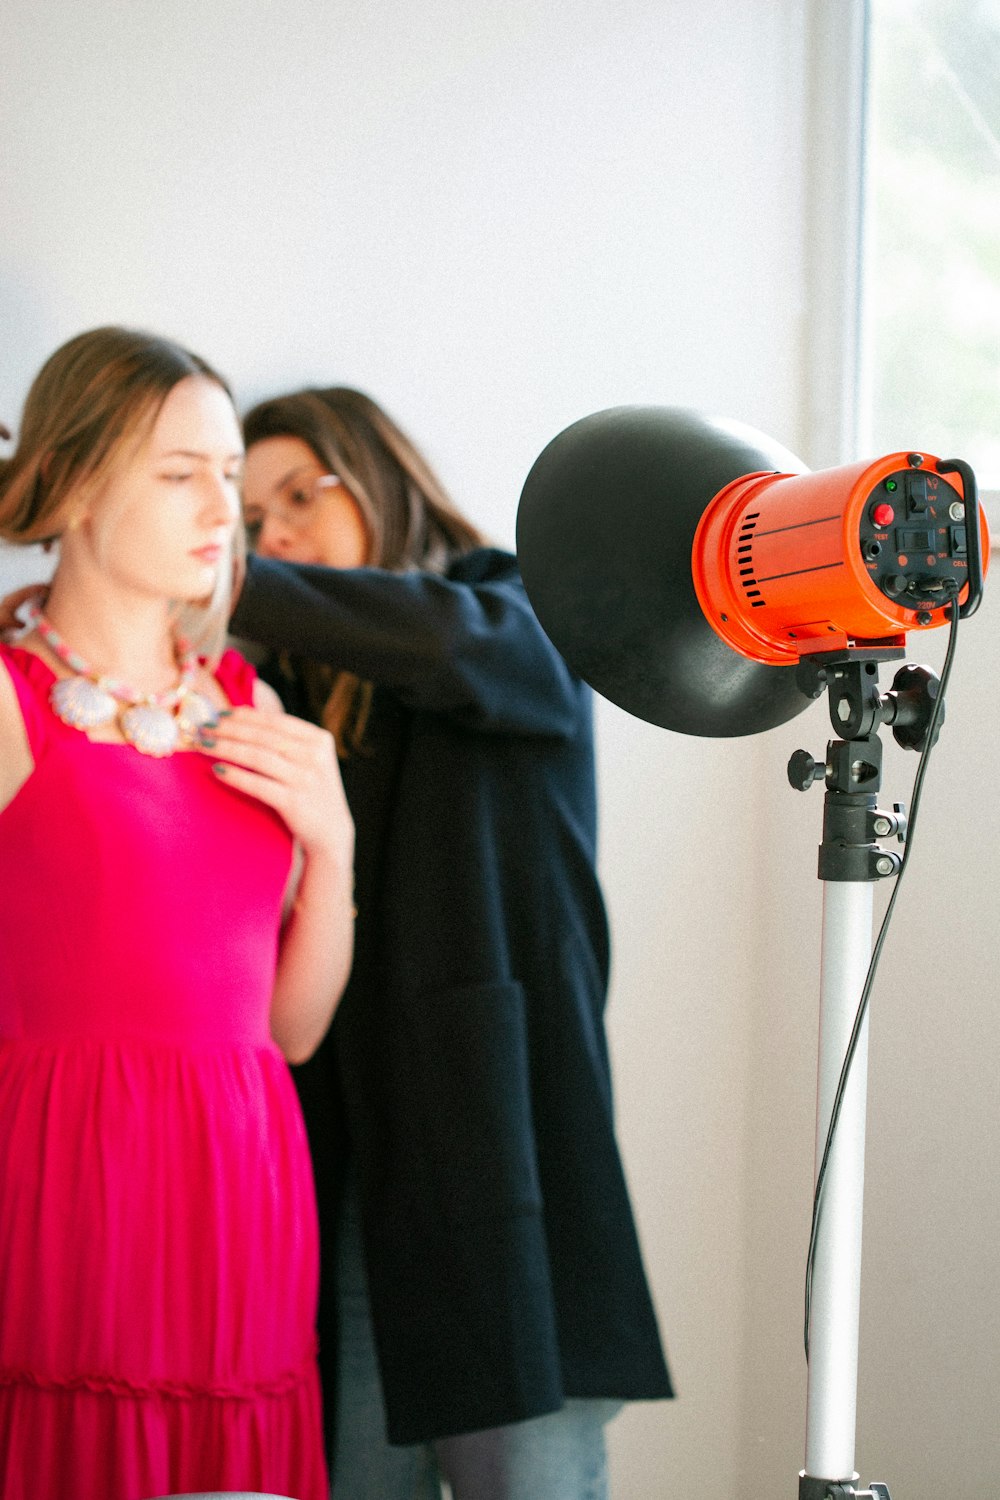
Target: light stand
688	569
850	861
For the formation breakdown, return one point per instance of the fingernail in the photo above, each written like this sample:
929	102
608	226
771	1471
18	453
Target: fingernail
208	740
219	770
223	713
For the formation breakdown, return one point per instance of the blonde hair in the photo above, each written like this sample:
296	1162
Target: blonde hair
92	402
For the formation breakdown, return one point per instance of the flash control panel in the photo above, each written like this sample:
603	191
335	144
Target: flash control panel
913	538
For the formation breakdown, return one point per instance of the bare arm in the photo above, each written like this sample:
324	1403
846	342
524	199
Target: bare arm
292	766
16	761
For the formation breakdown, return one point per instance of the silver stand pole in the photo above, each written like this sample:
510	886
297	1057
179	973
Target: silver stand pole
851	860
831	1402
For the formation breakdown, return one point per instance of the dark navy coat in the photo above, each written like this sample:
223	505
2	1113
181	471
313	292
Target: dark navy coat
466	1072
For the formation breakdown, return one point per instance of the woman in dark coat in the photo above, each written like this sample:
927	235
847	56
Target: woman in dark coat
485	1307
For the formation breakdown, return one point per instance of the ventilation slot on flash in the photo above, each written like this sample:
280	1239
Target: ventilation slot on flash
744	559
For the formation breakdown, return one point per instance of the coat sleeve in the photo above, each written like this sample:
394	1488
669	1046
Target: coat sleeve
467	646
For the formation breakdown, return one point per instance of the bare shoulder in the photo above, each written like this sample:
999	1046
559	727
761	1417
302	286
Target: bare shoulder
16	760
266	698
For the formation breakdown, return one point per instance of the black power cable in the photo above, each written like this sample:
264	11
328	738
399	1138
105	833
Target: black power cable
852	1046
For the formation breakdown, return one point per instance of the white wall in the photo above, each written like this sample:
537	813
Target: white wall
499	218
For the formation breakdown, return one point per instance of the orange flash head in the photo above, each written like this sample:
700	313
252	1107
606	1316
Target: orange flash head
785	565
684	564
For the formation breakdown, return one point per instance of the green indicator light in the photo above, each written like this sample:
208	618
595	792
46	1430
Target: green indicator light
890	485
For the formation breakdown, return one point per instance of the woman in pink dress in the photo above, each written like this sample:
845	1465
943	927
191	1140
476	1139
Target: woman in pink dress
175	923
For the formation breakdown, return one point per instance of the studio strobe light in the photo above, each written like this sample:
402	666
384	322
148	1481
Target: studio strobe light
693	572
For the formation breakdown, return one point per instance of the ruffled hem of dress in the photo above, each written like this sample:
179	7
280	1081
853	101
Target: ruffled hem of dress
278	1387
97	1444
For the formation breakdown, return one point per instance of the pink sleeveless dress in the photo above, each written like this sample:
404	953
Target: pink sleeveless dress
158	1241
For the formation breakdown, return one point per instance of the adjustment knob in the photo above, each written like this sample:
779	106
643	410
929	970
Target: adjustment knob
803	770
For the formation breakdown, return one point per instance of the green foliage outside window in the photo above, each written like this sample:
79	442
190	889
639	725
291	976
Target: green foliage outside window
932	285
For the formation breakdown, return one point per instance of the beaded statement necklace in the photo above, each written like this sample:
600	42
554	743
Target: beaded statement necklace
155	723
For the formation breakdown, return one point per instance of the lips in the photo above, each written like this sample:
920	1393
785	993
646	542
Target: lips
209	554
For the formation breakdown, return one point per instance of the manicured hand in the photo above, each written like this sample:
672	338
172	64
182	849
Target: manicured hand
289	765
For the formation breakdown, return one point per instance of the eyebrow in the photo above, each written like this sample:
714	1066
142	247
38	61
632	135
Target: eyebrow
203	457
287	478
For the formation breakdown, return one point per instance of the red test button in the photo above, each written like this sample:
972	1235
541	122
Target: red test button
883	514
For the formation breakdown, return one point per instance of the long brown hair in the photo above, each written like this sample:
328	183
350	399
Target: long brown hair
411	520
96	396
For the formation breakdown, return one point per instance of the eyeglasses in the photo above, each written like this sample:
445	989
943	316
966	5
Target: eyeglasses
293	506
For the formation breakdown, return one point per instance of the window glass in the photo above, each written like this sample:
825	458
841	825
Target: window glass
931	309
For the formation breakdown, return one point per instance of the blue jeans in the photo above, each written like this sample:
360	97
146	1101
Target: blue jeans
559	1456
